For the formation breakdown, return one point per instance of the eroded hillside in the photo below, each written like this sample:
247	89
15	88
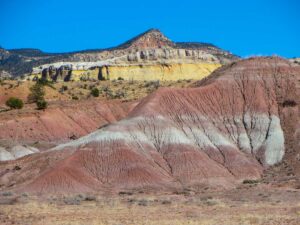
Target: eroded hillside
227	129
72	111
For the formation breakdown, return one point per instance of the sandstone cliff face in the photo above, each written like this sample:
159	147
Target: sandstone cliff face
158	72
62	73
226	129
149	48
147	64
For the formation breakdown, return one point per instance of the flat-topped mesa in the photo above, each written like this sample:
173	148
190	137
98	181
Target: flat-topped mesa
141	56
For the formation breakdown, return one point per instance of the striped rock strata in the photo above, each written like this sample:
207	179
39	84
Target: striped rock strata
226	129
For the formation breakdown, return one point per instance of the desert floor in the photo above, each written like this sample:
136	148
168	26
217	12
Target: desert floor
247	204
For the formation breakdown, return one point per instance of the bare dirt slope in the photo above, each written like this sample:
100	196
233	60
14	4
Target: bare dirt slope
62	121
228	129
72	110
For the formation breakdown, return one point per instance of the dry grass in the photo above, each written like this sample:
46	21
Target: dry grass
132	90
74	90
150	210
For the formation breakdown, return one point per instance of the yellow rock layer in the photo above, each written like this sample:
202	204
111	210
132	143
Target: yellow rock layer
33	76
159	72
85	74
167	72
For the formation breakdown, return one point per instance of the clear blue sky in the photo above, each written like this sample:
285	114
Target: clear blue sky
252	27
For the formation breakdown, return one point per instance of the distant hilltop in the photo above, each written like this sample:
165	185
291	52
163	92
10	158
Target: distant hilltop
148	56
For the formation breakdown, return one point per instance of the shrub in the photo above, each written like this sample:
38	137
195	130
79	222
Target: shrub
72	200
73	137
14	103
143	202
120	78
45	82
75	98
251	181
17	167
90	198
37	92
41	104
120	94
8	193
25	194
125	193
91	86
95	92
166	202
211	202
64	87
153	84
289	103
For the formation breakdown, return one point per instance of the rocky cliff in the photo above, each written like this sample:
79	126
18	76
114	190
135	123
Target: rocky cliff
147	50
173	71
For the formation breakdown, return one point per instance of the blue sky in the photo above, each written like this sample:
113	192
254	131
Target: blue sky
246	28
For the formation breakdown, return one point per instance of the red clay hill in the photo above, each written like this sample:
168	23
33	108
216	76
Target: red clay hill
230	127
62	120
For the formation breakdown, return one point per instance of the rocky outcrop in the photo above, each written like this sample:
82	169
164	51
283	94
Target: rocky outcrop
5	155
147	64
151	39
226	129
16	152
158	72
149	48
63	73
4	74
174	55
